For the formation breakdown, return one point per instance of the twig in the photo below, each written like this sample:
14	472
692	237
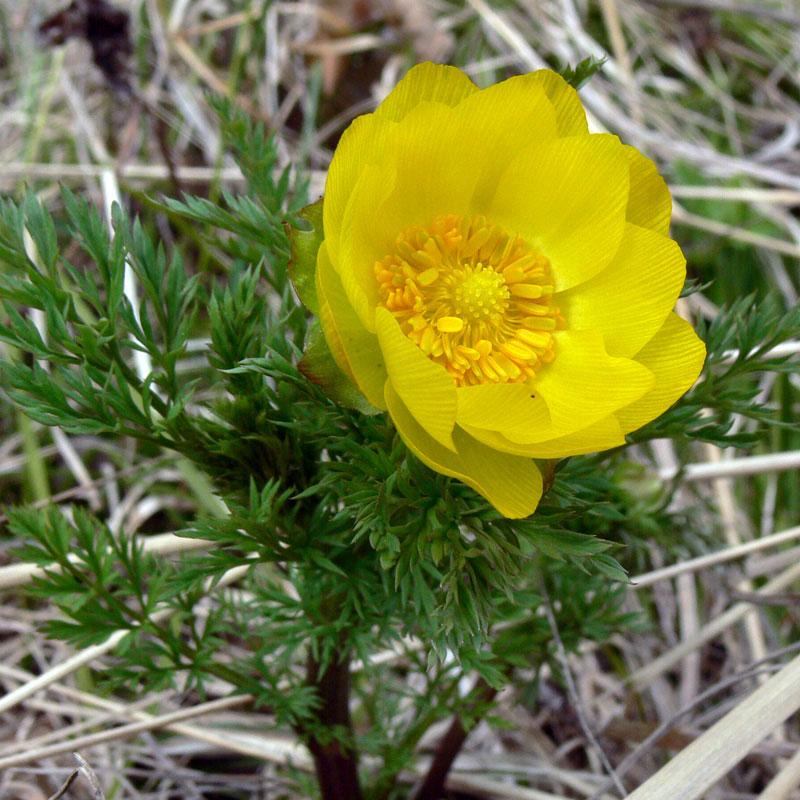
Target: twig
613	25
89	654
78	491
92	716
65	786
712	559
700	765
573	692
729	513
207	75
684	217
757	668
641	677
161	543
352	44
733	467
484	787
122	732
744	194
759	10
785	782
277	749
90	776
783	349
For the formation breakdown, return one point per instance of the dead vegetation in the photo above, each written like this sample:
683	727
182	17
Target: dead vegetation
707	88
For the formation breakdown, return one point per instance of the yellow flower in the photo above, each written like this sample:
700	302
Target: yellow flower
500	280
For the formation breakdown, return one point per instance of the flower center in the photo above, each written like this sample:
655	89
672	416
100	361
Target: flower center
480	293
473	298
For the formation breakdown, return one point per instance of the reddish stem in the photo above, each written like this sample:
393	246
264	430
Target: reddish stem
336	763
449	747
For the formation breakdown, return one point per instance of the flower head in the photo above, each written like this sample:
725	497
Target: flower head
500	280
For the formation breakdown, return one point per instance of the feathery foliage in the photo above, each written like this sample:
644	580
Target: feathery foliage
346	541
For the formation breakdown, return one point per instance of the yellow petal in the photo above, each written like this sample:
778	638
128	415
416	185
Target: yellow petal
512	484
354	348
630	299
364	142
437	162
434	159
675	355
449	160
567	198
601	435
438	159
364	239
496	123
500	405
425	387
426	82
650	203
582	385
421	175
570	116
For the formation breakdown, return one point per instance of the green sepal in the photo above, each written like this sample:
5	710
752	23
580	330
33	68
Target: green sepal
547	466
303	259
320	367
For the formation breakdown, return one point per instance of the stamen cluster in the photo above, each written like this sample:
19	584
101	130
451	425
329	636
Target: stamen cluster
473	298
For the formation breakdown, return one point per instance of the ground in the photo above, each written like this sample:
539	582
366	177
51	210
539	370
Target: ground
112	101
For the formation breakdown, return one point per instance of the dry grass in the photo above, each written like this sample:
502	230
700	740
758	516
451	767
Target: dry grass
711	93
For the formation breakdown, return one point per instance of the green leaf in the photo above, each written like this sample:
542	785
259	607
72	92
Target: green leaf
582	72
319	366
303	260
43	232
610	567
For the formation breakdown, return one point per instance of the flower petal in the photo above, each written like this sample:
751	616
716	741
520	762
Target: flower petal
497	405
364	142
425	388
353	347
426	82
630	299
437	161
675	355
512	484
570	116
582	385
496	123
467	144
600	435
365	238
567	198
649	203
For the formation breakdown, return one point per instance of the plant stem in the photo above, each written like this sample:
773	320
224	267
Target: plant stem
449	747
335	762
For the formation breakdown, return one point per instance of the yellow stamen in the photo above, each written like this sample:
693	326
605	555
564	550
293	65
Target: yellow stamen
530	291
473	298
428	277
535	338
450	324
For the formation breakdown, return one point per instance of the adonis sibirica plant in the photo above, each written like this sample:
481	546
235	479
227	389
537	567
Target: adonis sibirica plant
411	429
500	280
